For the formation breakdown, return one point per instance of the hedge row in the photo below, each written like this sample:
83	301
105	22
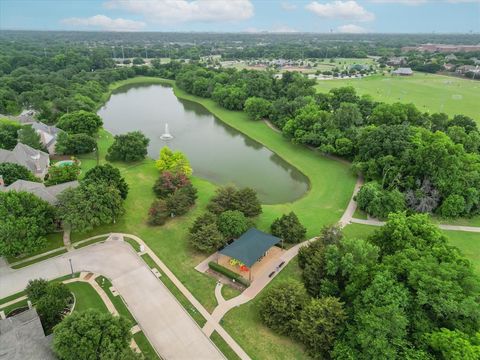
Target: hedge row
228	273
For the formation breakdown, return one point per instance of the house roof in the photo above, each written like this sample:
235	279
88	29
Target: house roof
22	337
403	71
35	160
250	247
48	133
49	194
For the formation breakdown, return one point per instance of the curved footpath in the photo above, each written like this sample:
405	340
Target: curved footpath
169	328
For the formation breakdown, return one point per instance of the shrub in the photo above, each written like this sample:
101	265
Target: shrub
181	200
452	206
158	212
228	273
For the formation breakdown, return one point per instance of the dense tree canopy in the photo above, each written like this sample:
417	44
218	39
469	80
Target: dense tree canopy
288	228
107	174
92	335
74	144
232	224
90	205
173	161
128	147
26	219
28	136
60	174
12	172
231	198
80	122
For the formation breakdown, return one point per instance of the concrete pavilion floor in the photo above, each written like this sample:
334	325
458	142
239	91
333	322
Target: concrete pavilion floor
267	263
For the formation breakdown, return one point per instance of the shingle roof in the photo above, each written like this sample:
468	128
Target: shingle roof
250	247
27	156
22	337
49	194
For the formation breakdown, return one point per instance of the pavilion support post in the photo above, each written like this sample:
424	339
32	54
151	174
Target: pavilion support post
250	275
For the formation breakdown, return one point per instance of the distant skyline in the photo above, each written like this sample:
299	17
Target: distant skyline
338	16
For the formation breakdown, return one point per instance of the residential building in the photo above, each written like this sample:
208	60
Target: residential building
47	193
48	135
22	338
34	160
402	72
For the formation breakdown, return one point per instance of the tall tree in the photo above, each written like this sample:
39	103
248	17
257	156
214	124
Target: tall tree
110	175
128	147
80	122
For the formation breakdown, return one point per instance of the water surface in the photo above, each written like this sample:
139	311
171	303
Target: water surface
216	151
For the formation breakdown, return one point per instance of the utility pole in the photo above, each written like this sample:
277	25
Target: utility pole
71	266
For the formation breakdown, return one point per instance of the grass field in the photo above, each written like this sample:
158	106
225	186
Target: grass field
86	297
432	93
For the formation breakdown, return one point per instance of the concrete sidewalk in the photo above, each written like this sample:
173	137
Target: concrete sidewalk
169	328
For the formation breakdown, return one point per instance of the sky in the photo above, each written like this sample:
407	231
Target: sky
339	16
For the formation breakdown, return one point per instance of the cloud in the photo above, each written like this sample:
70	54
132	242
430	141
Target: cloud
288	6
347	10
105	23
175	11
352	29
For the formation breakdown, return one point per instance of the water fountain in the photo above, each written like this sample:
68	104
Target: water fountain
166	135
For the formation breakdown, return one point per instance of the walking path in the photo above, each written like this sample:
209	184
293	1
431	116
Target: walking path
169	328
374	222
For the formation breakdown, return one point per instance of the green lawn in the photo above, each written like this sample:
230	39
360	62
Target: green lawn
229	292
244	325
117	301
433	93
86	297
144	345
223	346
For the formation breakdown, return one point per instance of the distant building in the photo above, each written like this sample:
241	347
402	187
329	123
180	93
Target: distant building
34	160
467	68
450	57
403	72
22	338
48	135
448	67
397	61
47	193
444	48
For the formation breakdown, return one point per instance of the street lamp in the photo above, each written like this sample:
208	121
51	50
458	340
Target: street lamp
71	266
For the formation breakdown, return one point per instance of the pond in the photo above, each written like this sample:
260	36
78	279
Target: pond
216	151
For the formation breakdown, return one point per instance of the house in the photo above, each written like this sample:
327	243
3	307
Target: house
402	72
34	160
49	194
448	67
22	337
48	135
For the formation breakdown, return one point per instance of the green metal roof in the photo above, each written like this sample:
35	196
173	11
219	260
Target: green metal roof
250	247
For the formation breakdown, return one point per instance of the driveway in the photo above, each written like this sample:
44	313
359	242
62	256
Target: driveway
171	331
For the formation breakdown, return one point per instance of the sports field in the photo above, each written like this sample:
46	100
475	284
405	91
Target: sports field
432	93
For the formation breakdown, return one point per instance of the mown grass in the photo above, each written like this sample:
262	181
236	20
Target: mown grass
54	241
429	92
145	346
229	292
223	346
86	297
41	258
117	301
19	304
90	242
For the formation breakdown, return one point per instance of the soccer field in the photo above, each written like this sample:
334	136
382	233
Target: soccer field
430	93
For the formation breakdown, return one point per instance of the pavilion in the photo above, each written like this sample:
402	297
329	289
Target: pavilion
250	249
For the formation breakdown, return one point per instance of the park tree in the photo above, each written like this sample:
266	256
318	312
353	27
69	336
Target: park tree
181	200
26	219
319	324
257	108
110	175
205	219
288	228
347	116
92	335
341	95
12	172
173	161
74	144
90	205
61	174
170	181
281	306
28	136
379	202
230	198
128	147
80	122
207	238
232	224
